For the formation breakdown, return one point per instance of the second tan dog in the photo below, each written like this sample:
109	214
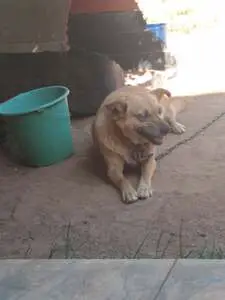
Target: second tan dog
130	123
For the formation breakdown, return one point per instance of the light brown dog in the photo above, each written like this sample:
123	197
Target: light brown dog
128	126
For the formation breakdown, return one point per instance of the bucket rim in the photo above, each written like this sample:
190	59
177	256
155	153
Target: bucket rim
156	24
35	110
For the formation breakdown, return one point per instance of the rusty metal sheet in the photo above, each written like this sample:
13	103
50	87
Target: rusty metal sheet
33	25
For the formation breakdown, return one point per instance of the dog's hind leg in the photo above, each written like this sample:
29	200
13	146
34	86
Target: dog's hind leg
175	127
145	185
115	166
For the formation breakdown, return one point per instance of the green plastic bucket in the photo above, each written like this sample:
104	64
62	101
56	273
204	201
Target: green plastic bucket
38	125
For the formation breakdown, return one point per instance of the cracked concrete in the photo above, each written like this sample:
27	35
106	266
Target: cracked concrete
112	279
70	210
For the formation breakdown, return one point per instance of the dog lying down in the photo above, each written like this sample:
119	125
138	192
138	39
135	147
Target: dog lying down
128	126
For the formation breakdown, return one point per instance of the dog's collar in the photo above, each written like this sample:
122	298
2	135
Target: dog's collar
140	153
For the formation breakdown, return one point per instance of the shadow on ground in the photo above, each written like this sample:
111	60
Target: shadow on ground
71	211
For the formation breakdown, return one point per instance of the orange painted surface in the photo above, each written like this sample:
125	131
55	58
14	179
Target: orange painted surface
94	6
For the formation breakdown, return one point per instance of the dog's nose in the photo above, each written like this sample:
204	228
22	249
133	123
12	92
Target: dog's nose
164	129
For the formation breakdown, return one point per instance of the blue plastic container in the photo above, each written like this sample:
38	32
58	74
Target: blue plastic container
159	30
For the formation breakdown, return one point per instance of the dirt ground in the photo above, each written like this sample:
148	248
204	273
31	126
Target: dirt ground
70	210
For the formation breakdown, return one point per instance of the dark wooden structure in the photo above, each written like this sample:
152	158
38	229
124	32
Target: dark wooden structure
74	43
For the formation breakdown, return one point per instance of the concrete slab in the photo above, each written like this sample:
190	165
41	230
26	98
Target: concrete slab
70	210
83	280
201	110
195	280
112	279
190	186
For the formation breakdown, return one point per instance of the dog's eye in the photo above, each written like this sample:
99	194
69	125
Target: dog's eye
143	116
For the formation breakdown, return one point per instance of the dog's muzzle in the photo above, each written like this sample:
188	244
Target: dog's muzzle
154	133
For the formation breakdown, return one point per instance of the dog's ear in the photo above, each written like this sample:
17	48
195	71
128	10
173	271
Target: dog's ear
117	109
160	92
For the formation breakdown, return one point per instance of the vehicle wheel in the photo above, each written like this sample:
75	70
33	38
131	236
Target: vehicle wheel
91	79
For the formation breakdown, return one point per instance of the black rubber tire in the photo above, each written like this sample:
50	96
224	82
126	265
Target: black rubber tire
99	77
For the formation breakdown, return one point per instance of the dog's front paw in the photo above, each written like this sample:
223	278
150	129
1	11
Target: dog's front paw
178	128
129	194
144	191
